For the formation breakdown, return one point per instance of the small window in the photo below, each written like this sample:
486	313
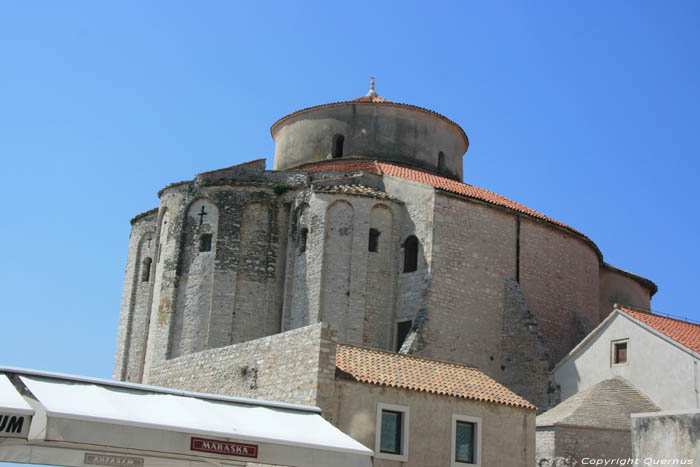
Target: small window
402	330
373	240
391	441
391	432
338	146
466	440
619	351
410	255
441	161
302	239
146	269
205	242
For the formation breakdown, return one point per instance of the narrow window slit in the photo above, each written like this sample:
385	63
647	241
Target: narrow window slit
338	146
373	245
146	270
410	257
205	242
302	239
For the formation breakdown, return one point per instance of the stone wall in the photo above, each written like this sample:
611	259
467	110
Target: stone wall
303	265
335	278
559	277
195	279
257	281
234	292
667	435
163	295
296	367
525	362
337	263
616	287
474	250
134	317
575	444
390	132
255	297
416	218
379	298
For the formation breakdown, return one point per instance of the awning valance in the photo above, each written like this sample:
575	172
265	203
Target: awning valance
79	418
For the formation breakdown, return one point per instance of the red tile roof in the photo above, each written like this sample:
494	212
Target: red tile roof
683	332
374	99
384	368
354	190
437	181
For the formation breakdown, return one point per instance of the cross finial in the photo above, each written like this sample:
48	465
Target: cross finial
372	92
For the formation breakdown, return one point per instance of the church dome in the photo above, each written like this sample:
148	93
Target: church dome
371	127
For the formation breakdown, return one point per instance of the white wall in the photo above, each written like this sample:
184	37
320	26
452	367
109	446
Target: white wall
665	372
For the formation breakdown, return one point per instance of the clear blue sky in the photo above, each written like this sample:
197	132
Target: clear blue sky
586	111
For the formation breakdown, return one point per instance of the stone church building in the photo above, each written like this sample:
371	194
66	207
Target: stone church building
256	282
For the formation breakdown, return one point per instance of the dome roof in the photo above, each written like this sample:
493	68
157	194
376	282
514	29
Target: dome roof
370	127
370	98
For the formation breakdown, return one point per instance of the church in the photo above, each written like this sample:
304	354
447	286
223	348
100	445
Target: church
360	274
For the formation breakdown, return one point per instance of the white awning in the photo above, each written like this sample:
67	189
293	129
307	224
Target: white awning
10	400
15	412
79	420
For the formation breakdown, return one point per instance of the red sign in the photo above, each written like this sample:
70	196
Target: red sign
224	447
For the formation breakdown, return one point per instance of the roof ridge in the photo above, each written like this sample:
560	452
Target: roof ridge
411	356
504	200
629	308
447	185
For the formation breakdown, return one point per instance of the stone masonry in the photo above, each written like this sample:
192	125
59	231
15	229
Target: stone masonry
243	255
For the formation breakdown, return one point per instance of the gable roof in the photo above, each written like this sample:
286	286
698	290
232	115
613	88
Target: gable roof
607	404
683	332
373	366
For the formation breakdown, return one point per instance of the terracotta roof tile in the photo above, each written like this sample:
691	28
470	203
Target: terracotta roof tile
348	165
437	181
375	99
683	332
354	190
384	368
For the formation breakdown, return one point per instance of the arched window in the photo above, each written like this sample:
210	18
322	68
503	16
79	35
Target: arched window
338	146
373	240
441	161
302	239
205	242
410	254
146	269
